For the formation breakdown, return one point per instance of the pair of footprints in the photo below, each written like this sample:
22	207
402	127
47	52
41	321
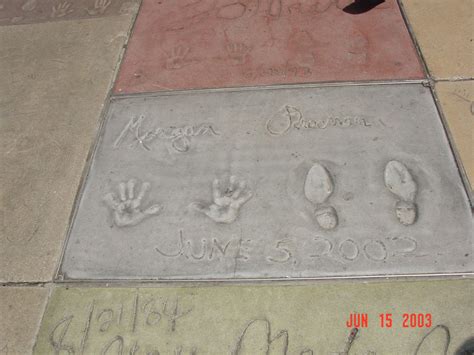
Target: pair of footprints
227	201
319	187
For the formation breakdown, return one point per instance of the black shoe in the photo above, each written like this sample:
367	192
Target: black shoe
361	6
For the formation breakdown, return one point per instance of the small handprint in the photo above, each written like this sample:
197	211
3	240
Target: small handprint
226	203
237	52
176	59
61	9
127	207
29	5
99	7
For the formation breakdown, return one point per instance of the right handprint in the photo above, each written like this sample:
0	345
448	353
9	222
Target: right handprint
226	201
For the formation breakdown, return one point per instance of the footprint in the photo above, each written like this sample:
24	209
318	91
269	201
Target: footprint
400	182
317	189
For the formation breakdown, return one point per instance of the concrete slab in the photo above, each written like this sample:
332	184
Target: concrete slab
444	31
308	182
56	77
15	12
457	101
257	320
208	44
21	309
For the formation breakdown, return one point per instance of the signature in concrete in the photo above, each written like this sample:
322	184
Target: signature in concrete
291	117
180	137
256	338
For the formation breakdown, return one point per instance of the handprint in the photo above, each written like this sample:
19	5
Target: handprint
237	52
99	7
126	209
176	59
61	9
29	5
226	204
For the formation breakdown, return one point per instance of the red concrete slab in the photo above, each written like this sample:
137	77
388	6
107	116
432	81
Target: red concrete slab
189	44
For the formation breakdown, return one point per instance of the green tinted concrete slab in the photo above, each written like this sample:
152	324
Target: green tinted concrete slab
457	101
444	32
55	79
253	320
21	309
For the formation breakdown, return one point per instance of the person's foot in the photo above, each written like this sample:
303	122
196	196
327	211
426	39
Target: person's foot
361	6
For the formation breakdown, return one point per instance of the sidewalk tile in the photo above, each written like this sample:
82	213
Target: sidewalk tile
340	181
16	12
56	77
457	103
211	44
445	33
21	309
259	320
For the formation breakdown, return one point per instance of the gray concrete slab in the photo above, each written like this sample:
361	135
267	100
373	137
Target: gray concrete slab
280	183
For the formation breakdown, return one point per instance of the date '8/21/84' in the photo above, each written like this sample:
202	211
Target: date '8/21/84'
387	320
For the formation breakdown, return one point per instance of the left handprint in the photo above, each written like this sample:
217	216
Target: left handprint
61	9
126	207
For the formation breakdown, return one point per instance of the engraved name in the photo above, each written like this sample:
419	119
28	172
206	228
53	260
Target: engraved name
286	71
293	118
180	137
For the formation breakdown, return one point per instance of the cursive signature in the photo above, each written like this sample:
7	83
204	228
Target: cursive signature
180	137
293	118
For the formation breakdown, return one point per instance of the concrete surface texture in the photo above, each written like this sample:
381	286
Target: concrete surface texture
308	182
445	33
259	320
21	310
14	12
457	102
202	44
291	182
56	77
